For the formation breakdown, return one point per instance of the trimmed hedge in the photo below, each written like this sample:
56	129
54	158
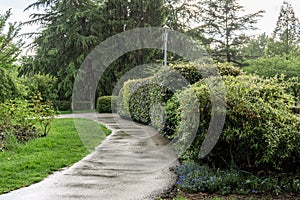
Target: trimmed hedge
260	131
143	99
107	104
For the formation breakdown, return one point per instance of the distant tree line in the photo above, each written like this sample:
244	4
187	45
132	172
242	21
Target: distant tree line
71	29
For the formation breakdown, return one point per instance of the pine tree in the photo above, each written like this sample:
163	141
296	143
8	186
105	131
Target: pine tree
224	26
287	29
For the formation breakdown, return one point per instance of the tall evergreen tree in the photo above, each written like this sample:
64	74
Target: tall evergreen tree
224	26
72	28
287	29
183	14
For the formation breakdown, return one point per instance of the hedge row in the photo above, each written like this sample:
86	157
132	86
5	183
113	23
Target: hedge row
140	98
107	104
260	132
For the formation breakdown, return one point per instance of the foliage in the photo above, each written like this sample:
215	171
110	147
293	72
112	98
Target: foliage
9	45
223	23
139	98
8	88
255	47
9	50
32	162
22	120
133	106
201	178
107	104
270	67
44	85
260	131
63	105
70	31
277	66
73	28
182	15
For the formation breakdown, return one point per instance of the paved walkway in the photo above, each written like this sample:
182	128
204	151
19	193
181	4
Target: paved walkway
132	163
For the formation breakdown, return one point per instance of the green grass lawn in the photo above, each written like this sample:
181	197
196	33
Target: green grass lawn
35	160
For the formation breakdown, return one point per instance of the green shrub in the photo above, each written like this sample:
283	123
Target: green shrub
193	74
22	120
44	85
260	131
277	66
107	104
136	100
8	88
143	99
272	66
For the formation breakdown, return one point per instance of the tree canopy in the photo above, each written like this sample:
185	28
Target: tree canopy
224	26
9	51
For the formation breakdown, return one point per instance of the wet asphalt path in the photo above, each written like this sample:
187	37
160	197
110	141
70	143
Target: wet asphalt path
132	163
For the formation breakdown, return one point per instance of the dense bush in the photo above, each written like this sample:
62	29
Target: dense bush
107	104
136	100
22	120
8	88
277	66
201	178
272	66
260	131
143	99
42	84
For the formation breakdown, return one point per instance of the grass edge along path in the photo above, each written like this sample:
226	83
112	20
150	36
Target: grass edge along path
32	162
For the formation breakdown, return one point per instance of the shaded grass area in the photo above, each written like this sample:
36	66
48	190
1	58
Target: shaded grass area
35	160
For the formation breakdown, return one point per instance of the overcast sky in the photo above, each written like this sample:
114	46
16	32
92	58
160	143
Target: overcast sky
265	24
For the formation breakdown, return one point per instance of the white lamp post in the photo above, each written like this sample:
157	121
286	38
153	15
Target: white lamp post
166	32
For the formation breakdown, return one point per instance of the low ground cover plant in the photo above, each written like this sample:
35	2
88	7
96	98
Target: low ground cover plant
201	178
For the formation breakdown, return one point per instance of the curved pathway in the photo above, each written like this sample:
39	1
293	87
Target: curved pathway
132	163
